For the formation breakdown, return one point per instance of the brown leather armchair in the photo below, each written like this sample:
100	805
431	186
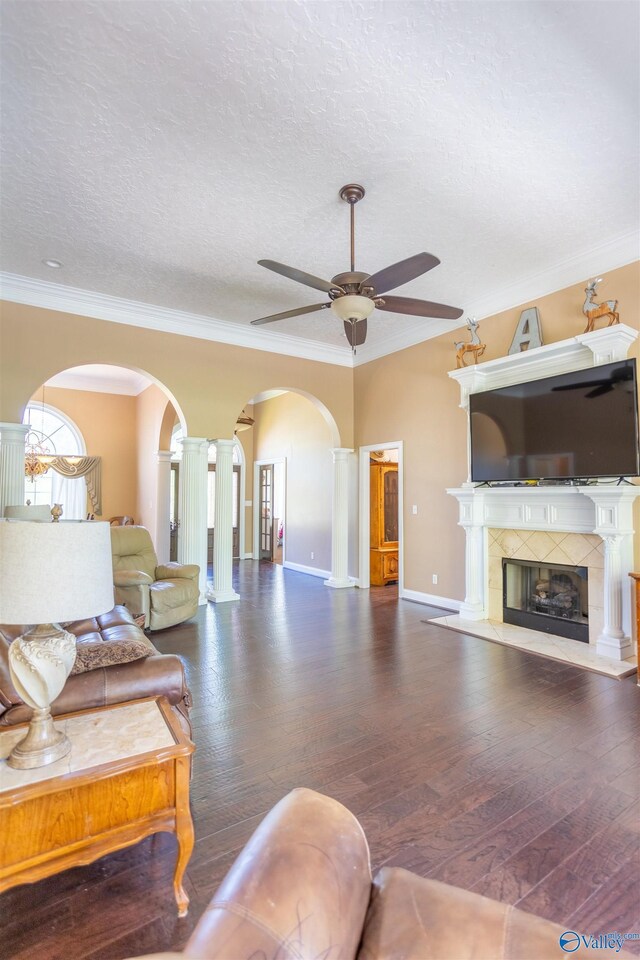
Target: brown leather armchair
164	594
302	888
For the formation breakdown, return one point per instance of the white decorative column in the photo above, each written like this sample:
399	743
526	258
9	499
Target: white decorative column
472	521
12	436
340	520
614	523
612	641
163	495
192	494
223	537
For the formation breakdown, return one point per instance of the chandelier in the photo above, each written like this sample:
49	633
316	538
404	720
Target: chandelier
243	422
37	456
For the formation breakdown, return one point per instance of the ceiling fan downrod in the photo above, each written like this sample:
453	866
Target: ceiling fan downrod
351	193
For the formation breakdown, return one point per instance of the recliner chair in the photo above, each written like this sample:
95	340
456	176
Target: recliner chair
165	594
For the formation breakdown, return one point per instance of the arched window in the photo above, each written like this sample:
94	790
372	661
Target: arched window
56	434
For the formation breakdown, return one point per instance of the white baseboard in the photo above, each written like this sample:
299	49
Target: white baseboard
247	556
445	603
312	571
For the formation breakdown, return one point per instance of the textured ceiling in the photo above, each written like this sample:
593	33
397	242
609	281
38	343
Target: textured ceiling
159	149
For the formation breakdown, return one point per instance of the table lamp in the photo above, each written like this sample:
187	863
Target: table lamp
49	573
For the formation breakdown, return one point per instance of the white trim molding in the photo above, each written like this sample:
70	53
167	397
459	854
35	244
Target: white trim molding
86	303
431	600
607	256
311	571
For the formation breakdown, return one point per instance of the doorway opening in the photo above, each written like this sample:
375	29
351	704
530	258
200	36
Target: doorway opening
269	512
381	516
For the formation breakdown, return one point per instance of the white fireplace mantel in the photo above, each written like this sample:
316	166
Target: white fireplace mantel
577	353
604	509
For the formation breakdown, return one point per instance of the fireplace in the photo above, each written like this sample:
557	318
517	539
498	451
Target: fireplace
550	597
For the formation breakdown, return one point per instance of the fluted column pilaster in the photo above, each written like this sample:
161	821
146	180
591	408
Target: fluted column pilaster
192	494
163	494
612	642
340	520
12	436
223	535
473	607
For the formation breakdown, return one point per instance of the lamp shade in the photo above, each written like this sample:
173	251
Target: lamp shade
54	572
352	307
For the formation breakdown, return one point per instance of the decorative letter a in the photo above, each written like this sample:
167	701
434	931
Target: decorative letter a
528	332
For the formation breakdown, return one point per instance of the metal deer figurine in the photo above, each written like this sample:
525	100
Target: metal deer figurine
593	311
474	346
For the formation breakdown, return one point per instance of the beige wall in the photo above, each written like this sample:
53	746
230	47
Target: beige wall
208	382
108	425
290	427
408	396
151	406
405	396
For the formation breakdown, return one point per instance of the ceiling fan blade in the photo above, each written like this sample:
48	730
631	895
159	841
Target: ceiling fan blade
420	308
299	275
356	332
290	313
402	272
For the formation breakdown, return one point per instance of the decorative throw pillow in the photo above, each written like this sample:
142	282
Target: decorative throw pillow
105	653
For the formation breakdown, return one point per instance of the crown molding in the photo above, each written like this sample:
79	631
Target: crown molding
75	379
373	350
589	263
100	306
606	256
52	296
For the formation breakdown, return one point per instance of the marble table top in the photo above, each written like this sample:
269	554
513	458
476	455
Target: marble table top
102	736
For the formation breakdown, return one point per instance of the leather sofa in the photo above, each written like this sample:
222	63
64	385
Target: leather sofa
159	674
165	594
302	888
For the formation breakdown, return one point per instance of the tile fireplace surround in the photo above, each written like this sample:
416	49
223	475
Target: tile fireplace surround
589	525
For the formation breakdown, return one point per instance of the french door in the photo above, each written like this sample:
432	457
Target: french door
266	511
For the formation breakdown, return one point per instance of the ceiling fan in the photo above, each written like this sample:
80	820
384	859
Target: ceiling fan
354	295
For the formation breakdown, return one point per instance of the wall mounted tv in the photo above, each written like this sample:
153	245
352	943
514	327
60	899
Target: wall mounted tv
575	425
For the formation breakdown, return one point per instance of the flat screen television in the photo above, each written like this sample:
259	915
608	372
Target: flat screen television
576	425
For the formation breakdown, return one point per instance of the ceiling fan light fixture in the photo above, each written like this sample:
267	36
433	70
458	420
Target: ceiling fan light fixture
352	307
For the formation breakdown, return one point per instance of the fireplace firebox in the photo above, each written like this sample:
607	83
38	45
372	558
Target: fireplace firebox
552	598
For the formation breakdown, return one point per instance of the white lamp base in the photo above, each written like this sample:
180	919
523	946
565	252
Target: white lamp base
40	662
43	744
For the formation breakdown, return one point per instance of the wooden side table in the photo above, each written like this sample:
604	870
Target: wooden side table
127	776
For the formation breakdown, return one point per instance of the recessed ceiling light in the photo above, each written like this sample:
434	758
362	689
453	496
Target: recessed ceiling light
52	263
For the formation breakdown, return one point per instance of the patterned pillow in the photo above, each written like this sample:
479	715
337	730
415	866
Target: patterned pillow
106	653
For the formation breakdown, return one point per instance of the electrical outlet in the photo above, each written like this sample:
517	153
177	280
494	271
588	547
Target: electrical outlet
313	556
414	509
434	578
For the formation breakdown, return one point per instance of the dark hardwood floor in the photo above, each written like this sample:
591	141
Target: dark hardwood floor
477	764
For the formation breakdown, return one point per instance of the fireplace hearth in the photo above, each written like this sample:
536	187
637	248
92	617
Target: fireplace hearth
552	598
